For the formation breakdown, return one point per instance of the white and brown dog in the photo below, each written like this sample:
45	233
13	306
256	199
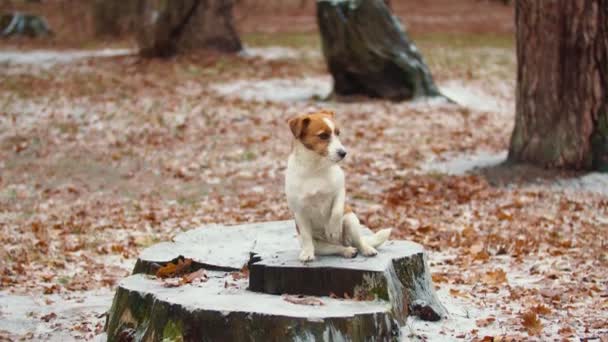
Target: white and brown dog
314	185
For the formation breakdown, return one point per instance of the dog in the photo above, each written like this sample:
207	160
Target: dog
315	190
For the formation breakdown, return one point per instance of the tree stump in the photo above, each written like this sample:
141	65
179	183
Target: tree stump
358	299
369	53
23	24
166	28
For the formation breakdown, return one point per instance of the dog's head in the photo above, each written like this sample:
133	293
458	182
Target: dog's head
318	132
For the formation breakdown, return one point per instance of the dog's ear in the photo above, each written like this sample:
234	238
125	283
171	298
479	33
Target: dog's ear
297	125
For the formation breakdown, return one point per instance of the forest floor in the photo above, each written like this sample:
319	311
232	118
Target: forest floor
102	156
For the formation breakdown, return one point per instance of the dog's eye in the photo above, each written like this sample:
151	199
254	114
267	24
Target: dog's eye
324	136
337	132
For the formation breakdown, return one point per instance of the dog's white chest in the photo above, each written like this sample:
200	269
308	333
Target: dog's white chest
313	194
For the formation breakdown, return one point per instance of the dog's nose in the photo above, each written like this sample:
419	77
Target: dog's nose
342	153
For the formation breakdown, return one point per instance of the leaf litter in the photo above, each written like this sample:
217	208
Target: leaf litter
102	169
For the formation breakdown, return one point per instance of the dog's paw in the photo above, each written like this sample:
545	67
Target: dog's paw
307	255
368	250
349	252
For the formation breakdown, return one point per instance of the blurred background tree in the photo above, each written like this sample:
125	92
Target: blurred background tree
562	84
113	18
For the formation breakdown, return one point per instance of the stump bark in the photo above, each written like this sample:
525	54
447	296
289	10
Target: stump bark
368	52
370	297
23	24
166	28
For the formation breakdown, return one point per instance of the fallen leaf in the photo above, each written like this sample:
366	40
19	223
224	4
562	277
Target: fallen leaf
495	277
200	274
243	274
49	317
565	331
171	270
51	289
531	323
541	309
484	322
303	300
172	282
458	293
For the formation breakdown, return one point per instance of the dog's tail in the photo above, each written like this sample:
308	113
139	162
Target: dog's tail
378	238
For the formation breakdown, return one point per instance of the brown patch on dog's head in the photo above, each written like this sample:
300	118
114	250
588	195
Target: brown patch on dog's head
314	130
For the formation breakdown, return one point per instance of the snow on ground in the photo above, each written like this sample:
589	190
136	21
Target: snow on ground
54	317
302	89
461	164
473	97
47	58
277	89
272	53
387	149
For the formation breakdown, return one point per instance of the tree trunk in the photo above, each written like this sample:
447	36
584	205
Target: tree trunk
562	84
369	53
170	27
113	18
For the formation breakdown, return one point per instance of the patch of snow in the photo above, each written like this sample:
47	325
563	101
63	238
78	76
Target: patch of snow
272	53
461	164
276	89
473	97
592	182
595	182
21	315
460	322
48	58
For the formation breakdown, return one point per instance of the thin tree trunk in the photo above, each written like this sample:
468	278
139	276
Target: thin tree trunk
562	84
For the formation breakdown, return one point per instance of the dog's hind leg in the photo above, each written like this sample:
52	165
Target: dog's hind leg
352	234
326	248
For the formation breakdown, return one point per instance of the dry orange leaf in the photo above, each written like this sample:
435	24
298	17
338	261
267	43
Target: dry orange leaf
504	216
532	324
541	309
172	270
565	331
457	293
482	256
439	278
495	277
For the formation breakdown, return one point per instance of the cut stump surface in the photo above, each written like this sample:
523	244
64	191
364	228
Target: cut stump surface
360	299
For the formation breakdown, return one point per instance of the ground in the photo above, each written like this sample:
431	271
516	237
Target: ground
103	156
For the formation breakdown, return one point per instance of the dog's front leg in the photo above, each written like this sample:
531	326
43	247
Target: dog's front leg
333	230
307	252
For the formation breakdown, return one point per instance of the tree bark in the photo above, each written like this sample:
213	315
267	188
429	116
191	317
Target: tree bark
369	53
562	84
169	27
113	18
